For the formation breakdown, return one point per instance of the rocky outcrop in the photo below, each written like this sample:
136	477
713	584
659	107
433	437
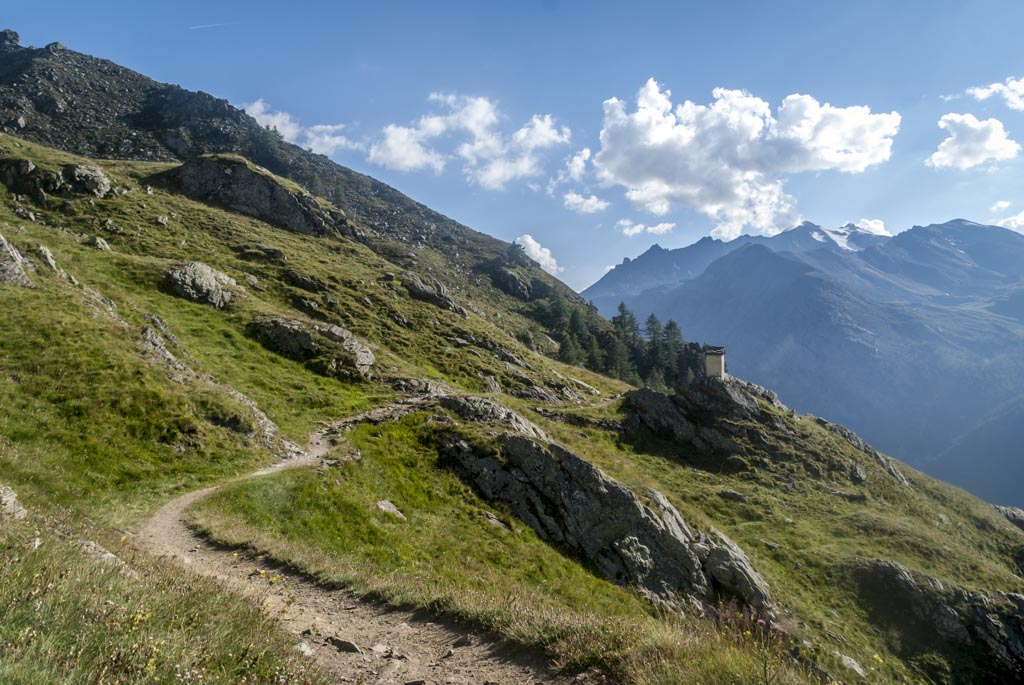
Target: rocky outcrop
658	412
235	184
335	347
478	409
86	180
13	266
200	283
1013	515
511	283
981	634
432	291
22	176
572	503
848	435
10	508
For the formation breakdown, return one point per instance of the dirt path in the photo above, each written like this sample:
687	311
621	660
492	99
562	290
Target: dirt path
354	640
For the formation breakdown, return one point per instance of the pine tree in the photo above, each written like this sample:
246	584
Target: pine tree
570	351
673	348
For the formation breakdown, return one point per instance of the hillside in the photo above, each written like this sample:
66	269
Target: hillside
912	340
237	431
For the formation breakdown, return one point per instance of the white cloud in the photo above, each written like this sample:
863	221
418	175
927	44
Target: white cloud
971	142
630	228
402	149
576	167
609	267
281	121
728	159
575	170
876	226
326	139
539	254
1012	92
1015	222
590	204
1000	207
323	139
490	158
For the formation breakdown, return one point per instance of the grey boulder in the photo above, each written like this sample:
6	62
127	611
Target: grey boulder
12	266
200	283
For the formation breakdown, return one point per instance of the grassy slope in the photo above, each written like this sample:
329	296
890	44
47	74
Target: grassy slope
92	431
69	618
78	401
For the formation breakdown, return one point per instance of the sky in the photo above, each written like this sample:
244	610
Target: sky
588	131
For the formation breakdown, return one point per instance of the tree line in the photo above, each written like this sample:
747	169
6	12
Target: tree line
645	355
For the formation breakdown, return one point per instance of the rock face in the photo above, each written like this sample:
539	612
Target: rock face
573	504
335	346
983	634
233	183
12	266
200	283
432	291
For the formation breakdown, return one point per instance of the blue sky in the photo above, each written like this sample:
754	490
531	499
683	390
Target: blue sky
838	119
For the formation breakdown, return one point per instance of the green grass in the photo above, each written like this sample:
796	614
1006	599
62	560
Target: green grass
71	619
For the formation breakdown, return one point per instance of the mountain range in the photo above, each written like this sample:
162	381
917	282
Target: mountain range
914	340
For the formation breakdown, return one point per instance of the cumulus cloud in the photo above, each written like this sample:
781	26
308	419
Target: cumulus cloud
590	204
728	159
539	254
1015	222
574	171
971	142
326	139
876	226
402	149
630	228
1012	92
282	122
323	139
490	157
1000	206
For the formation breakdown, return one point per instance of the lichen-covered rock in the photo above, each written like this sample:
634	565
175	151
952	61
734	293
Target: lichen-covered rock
510	282
200	283
99	243
304	341
1013	515
432	291
482	410
572	503
12	266
86	179
659	413
10	508
856	441
926	615
233	183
